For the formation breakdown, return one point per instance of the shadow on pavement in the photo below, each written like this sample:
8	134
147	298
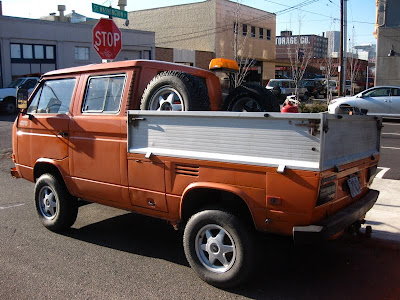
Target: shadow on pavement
344	269
7	118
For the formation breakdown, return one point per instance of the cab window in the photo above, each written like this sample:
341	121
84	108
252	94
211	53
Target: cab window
53	97
104	94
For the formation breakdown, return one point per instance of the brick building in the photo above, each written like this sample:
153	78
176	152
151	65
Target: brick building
315	45
211	28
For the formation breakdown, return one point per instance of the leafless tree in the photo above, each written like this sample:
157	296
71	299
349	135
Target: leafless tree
241	49
299	53
328	71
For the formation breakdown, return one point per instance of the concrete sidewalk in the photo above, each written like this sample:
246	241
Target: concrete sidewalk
384	217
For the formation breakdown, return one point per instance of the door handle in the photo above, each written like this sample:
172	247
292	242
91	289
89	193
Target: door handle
63	134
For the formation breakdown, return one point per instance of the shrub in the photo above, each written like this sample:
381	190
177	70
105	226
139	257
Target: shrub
316	107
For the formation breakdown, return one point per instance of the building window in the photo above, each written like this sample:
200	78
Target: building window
235	28
244	29
27	53
15	51
49	52
146	54
39	51
268	34
261	33
253	31
81	53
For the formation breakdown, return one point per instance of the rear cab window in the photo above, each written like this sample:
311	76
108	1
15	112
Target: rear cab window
104	94
53	97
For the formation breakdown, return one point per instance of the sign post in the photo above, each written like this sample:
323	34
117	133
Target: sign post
107	39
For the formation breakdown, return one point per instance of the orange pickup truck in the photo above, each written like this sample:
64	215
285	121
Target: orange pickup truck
219	175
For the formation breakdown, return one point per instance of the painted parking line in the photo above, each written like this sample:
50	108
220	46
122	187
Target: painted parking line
389	133
381	172
11	206
391	124
394	148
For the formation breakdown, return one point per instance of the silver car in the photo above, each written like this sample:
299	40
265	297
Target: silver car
285	87
379	101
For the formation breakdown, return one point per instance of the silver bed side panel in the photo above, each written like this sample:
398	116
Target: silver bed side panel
245	138
252	138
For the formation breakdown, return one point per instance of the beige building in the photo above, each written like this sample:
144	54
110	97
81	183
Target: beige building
213	26
388	48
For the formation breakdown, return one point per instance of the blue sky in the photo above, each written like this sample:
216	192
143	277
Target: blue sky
316	17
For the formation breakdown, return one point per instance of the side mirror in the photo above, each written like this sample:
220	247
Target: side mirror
22	98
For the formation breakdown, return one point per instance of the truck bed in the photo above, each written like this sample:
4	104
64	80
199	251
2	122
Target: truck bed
315	142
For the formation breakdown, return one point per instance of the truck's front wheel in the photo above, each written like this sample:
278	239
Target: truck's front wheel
56	208
219	248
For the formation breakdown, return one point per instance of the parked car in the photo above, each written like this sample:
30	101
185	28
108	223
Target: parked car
349	87
380	101
282	88
315	87
334	87
8	95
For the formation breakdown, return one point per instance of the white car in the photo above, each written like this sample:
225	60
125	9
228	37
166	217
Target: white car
379	101
8	95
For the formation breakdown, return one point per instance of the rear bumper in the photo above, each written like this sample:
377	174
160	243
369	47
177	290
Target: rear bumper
337	222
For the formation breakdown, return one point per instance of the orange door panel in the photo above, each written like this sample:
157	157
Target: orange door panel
147	182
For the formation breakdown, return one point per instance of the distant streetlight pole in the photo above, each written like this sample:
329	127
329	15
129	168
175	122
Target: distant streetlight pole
343	47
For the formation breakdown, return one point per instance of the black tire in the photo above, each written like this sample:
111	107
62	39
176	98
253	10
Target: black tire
175	90
251	97
56	208
10	105
235	236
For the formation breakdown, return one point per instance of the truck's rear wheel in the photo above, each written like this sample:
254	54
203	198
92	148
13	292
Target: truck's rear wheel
175	91
251	97
219	248
56	208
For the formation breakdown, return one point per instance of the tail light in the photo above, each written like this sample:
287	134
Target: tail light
371	173
326	193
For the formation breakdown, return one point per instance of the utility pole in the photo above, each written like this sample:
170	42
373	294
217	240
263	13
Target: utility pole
340	92
344	46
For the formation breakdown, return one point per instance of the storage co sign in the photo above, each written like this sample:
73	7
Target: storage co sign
107	39
292	40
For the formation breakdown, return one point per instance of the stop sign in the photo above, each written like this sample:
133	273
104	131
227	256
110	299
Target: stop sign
107	39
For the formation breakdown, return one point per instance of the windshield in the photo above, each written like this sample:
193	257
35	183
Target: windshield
16	83
273	83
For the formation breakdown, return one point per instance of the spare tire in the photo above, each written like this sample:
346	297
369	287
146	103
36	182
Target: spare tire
251	97
176	91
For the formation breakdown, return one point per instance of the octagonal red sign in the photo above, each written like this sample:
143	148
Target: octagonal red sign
107	39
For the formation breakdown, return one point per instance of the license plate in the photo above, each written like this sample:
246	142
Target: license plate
354	185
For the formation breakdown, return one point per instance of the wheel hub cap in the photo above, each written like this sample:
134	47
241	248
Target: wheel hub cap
215	248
